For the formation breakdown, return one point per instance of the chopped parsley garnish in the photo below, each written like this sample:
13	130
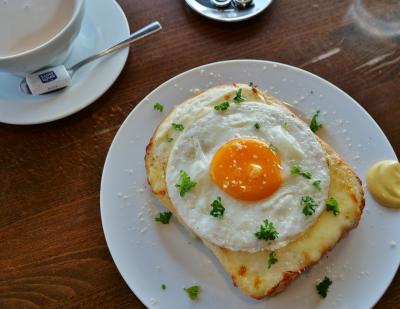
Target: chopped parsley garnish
273	147
177	126
184	183
314	125
323	286
272	259
238	98
308	204
285	126
222	107
218	209
251	84
163	286
164	217
296	170
317	184
158	106
169	139
332	205
192	292
267	231
257	126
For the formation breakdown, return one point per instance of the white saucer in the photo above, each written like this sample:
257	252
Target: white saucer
104	24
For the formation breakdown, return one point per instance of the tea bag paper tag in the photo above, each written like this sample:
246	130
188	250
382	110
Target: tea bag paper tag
48	80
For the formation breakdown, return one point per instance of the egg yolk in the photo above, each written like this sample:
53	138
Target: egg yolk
246	169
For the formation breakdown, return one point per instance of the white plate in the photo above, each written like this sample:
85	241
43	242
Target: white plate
104	24
229	14
148	254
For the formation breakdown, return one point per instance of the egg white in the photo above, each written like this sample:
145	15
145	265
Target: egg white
193	152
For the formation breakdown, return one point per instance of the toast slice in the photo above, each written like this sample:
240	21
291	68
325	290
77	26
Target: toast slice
249	271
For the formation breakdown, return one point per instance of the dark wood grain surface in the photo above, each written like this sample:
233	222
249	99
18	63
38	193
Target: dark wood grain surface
52	247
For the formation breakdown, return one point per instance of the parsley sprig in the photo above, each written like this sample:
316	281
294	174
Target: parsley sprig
332	205
267	231
323	286
317	184
314	125
193	291
297	170
177	126
218	209
158	106
185	184
272	259
222	107
309	205
238	98
164	217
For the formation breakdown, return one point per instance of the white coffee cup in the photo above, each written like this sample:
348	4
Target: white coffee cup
37	33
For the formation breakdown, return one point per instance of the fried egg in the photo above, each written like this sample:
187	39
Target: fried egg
243	157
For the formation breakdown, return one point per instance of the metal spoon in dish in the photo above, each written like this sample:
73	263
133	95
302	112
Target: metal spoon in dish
221	3
55	78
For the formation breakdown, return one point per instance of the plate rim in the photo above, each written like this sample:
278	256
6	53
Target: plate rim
206	66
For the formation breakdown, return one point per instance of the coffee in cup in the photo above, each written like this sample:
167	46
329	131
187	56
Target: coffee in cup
37	33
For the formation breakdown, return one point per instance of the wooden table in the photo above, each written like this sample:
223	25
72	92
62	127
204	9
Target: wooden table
52	247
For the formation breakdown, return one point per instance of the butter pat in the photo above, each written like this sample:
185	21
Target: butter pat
48	80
